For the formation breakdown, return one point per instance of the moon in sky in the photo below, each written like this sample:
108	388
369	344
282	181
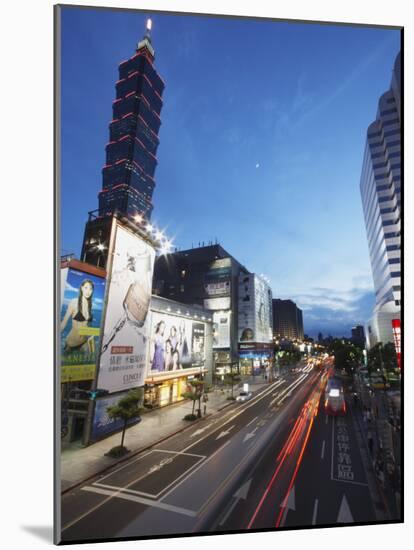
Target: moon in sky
257	165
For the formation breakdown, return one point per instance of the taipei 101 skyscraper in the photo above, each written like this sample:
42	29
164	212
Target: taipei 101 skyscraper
128	175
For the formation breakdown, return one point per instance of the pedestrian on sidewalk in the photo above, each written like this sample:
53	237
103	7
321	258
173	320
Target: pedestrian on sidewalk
205	400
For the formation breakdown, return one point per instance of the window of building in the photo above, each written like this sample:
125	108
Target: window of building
388	111
392	132
388	122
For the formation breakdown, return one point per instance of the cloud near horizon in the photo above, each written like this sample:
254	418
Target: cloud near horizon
334	312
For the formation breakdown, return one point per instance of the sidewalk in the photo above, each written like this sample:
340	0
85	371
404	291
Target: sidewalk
80	463
385	450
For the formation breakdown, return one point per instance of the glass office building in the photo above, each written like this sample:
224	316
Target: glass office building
381	200
128	175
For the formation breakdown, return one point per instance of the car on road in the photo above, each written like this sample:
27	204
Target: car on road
244	396
335	401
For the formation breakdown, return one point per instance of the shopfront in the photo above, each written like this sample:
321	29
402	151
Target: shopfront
255	358
168	389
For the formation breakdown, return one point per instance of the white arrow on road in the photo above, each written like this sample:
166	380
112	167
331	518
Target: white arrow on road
241	493
344	515
290	502
222	434
250	435
199	431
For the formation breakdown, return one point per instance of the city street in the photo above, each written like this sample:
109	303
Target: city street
273	461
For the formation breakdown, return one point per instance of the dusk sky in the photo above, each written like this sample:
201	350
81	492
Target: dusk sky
261	143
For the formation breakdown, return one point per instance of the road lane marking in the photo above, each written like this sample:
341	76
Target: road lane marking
277	385
288	504
200	460
288	391
326	418
323	450
241	493
250	434
344	514
200	430
140	500
225	432
188	474
116	470
238	413
178	453
315	511
289	388
253	402
251	421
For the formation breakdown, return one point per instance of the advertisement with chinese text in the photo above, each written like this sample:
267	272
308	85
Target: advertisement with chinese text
124	343
81	312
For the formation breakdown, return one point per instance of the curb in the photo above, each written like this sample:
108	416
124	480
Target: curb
133	453
142	449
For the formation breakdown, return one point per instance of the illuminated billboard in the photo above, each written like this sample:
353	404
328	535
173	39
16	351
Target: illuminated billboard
126	328
217	280
221	329
176	343
103	425
82	296
255	309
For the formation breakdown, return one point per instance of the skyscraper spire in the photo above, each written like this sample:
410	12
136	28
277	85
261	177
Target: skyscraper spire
148	29
145	43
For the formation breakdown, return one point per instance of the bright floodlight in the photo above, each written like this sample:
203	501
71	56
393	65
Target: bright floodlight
138	218
149	228
159	235
149	24
100	247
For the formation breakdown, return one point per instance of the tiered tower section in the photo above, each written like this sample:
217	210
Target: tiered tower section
128	175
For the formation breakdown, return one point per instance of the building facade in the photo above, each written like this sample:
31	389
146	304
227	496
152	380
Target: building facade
358	335
180	349
207	276
380	188
128	175
254	324
287	320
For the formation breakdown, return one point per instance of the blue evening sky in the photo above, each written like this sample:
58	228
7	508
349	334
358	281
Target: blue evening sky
261	144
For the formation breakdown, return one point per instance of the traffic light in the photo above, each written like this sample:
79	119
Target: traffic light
93	394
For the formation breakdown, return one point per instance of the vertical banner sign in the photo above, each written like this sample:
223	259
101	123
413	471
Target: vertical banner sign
81	311
124	343
221	329
396	330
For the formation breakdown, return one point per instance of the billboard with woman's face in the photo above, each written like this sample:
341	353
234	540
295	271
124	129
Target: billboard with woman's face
175	344
81	311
